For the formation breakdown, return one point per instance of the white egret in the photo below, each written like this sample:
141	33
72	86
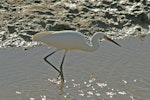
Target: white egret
69	40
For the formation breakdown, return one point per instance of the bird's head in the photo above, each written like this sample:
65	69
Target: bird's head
104	36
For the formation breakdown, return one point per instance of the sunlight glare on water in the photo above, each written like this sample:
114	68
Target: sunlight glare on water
90	88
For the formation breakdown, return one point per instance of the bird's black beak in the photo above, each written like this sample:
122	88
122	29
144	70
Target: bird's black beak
109	39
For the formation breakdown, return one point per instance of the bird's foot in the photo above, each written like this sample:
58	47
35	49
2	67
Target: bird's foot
58	77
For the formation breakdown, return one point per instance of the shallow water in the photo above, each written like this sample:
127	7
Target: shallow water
110	73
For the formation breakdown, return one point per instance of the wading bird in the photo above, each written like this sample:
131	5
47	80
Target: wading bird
69	40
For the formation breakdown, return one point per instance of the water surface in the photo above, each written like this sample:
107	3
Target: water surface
110	73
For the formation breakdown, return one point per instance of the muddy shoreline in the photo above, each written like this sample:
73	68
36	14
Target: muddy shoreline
20	19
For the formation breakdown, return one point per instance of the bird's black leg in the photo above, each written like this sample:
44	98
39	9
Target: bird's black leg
61	66
45	58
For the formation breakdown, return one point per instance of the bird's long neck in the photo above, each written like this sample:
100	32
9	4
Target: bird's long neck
94	43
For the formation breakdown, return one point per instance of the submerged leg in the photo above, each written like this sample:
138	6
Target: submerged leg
61	66
45	58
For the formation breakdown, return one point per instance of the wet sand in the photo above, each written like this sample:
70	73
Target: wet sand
21	19
110	73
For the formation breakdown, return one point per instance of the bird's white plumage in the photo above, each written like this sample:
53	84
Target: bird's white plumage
69	40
